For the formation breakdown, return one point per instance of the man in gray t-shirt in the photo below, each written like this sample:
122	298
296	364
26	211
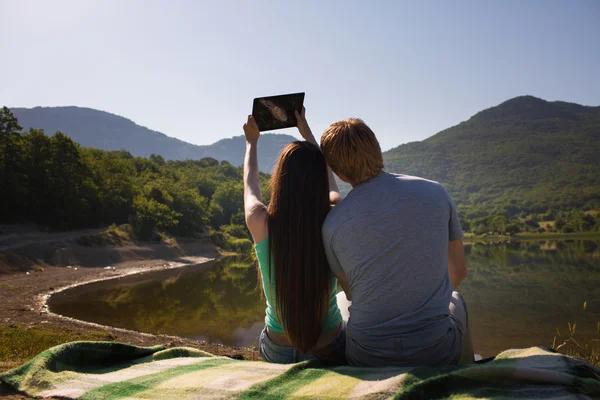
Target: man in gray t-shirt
395	245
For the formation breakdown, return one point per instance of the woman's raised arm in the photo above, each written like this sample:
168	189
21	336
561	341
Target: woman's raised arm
254	210
306	133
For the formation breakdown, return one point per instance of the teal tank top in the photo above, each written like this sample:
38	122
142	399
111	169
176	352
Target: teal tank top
334	316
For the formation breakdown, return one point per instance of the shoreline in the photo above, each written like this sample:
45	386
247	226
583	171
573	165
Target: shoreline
523	237
25	295
44	298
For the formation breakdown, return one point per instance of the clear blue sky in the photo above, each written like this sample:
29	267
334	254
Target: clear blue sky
190	69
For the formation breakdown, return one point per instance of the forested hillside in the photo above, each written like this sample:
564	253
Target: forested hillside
106	131
524	157
53	182
525	165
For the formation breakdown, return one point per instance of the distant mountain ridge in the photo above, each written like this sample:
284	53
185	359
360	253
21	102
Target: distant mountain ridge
106	131
525	151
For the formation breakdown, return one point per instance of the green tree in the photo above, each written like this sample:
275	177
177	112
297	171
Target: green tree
498	224
157	158
67	192
227	200
114	174
38	169
149	215
9	125
193	211
512	229
13	179
480	225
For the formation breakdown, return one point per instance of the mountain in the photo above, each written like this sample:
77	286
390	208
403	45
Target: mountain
103	130
526	153
234	149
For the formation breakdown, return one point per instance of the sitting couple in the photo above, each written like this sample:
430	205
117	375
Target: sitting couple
394	245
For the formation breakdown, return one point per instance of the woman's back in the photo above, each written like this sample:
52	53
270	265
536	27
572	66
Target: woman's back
262	254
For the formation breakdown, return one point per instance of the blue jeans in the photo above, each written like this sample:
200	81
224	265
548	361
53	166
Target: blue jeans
274	353
419	348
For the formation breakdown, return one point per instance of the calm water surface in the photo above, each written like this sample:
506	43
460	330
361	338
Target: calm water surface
518	294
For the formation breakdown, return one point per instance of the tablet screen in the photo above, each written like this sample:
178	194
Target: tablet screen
277	112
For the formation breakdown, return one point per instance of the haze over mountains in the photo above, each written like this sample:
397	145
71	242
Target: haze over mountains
526	151
106	131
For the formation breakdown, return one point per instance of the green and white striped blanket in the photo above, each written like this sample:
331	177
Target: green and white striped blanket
103	370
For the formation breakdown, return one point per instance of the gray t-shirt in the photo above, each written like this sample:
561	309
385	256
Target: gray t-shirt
390	237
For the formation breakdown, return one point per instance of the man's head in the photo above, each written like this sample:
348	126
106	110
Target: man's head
352	151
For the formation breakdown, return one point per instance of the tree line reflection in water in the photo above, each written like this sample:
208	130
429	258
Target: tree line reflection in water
517	294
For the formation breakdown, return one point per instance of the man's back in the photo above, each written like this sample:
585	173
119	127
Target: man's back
390	237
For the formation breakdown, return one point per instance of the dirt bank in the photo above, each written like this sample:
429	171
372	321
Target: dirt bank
33	266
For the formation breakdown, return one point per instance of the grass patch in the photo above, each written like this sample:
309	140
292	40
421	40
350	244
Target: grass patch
588	348
122	234
113	236
558	236
19	343
471	237
166	239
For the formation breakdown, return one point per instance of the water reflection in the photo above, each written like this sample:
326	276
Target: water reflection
517	294
218	302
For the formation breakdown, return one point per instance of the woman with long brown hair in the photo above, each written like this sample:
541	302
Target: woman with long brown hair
302	319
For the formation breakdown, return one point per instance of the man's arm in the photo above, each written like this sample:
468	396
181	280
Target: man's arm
254	210
457	264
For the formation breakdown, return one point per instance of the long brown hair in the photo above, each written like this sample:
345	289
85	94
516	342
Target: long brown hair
298	206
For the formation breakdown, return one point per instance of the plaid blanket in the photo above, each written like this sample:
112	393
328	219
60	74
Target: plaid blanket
104	370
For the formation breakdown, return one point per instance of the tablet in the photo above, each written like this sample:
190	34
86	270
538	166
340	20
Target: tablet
277	112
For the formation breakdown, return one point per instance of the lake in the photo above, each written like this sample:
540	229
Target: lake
518	294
